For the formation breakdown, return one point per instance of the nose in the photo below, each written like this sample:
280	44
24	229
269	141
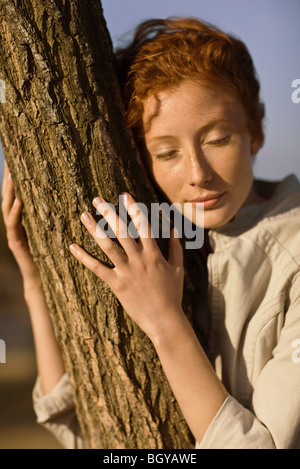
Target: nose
199	171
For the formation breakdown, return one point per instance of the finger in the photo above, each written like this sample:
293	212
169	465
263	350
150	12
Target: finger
117	225
175	250
13	220
16	234
139	220
104	241
103	272
4	181
8	195
4	178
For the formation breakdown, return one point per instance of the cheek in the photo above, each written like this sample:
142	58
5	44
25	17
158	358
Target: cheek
168	179
236	164
158	175
156	172
239	176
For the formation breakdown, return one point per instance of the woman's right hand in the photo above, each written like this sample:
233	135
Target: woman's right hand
16	236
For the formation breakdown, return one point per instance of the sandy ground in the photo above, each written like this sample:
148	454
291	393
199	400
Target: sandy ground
18	428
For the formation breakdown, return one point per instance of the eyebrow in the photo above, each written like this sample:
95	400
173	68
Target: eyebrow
204	128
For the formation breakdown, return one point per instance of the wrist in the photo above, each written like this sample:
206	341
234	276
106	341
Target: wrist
32	282
170	328
32	287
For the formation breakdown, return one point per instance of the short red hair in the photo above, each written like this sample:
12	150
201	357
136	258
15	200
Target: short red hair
165	52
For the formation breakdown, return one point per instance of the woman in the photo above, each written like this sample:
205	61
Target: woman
192	99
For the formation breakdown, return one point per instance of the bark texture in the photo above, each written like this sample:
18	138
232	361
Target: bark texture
65	142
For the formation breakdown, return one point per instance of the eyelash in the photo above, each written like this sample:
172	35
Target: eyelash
166	156
215	143
220	142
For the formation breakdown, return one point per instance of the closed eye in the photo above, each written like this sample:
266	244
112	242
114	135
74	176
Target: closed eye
166	156
220	141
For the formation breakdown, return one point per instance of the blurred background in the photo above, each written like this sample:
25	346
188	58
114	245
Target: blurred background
270	28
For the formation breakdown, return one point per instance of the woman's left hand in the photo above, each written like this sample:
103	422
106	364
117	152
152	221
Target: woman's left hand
147	285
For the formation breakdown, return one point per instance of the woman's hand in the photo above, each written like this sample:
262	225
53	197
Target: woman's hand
16	236
150	290
147	285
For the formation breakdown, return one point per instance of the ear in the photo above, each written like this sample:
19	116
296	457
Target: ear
256	144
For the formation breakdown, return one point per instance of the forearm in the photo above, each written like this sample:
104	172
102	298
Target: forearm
198	391
48	354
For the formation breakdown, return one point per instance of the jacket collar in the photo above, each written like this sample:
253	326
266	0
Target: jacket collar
285	197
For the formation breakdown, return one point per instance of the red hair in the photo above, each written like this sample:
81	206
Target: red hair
165	52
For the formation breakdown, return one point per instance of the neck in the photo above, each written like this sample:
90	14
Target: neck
253	198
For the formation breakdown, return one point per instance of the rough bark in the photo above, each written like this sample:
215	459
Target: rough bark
65	142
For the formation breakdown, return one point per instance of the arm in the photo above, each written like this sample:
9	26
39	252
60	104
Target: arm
199	392
48	355
150	290
49	361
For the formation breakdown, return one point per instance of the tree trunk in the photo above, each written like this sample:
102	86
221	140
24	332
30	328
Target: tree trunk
65	142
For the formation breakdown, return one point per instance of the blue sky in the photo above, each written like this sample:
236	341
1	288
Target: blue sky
270	29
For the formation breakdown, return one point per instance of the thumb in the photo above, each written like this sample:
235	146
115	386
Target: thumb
175	249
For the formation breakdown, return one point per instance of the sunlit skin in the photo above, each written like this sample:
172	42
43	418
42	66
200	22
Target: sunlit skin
200	148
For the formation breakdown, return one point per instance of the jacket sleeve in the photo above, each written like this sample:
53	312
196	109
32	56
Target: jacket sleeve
273	421
56	412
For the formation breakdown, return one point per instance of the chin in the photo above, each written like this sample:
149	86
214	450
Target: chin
213	221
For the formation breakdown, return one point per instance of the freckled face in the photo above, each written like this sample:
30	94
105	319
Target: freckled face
200	149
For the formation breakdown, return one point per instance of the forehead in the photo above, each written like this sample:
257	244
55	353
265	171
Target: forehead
188	102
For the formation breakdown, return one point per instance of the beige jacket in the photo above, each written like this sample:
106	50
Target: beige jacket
254	291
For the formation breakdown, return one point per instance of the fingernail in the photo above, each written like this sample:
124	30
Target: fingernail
15	202
98	200
86	217
73	248
9	176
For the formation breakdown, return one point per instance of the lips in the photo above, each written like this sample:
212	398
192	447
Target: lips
208	201
206	198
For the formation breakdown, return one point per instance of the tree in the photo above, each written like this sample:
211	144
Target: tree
65	141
